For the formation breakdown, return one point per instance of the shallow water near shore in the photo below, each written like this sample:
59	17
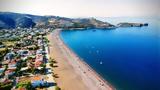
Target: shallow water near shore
128	58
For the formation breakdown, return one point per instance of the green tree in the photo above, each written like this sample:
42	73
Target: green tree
5	86
26	84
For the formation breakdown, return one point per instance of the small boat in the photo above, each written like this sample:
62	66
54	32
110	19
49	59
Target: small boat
93	30
97	51
101	62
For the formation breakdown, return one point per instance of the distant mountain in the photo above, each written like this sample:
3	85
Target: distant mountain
10	20
25	22
7	22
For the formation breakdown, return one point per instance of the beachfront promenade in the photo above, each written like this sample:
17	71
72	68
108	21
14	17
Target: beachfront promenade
50	77
74	73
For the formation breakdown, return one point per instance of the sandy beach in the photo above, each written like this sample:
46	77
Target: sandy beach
74	74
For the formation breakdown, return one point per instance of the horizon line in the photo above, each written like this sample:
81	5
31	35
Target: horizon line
76	16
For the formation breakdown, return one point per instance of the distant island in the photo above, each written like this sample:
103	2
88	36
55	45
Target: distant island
126	24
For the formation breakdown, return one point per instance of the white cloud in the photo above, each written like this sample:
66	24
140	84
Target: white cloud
83	8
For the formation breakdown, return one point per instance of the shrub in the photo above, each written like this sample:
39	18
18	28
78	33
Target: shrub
24	64
26	84
57	88
1	43
51	64
5	86
43	65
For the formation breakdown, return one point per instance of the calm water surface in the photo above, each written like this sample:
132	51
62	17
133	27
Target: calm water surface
128	58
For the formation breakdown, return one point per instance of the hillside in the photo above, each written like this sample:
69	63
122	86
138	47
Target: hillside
10	20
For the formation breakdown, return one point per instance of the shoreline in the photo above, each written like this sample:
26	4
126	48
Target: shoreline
90	77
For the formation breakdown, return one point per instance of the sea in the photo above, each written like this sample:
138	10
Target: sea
128	58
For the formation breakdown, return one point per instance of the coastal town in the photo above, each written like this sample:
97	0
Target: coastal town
33	56
79	45
25	63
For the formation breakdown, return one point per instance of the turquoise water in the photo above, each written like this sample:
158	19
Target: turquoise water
128	58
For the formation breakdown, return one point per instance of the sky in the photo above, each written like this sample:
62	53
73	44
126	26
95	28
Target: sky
83	8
